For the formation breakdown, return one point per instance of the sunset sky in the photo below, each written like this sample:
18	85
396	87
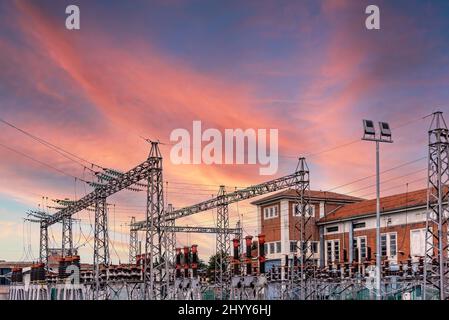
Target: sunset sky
144	68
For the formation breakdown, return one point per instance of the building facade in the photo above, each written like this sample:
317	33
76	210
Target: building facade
278	221
343	228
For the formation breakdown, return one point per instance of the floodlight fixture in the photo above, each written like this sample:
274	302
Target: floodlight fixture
368	127
385	131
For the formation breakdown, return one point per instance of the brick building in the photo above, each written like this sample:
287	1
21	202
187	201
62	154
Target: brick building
343	228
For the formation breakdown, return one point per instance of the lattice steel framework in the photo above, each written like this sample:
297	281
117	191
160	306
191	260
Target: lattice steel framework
43	243
155	273
171	239
113	185
304	215
222	244
232	197
436	266
133	243
101	240
237	231
41	218
67	236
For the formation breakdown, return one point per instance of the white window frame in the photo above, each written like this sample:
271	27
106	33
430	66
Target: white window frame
270	212
333	226
295	244
388	235
358	243
310	209
422	231
312	243
274	247
333	253
278	246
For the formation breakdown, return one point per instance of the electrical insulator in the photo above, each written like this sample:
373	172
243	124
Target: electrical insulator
178	262
194	251
261	238
186	262
236	244
248	254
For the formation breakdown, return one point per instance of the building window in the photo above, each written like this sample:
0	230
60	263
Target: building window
332	251
359	225
418	243
278	247
359	246
272	247
310	210
383	244
293	246
332	229
314	247
388	244
265	246
270	212
393	244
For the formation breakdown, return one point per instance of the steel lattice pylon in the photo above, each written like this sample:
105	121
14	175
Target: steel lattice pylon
101	240
43	240
171	239
223	245
155	275
133	243
67	236
436	248
303	214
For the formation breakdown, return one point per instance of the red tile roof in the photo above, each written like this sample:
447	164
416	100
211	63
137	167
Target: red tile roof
290	193
390	203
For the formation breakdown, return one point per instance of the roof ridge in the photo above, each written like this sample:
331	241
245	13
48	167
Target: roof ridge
412	199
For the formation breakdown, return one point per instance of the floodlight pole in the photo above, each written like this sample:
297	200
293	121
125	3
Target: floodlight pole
378	247
371	136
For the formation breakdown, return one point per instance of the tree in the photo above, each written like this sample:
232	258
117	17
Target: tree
212	261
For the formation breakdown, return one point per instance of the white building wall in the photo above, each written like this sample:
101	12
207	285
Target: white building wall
259	217
285	241
389	220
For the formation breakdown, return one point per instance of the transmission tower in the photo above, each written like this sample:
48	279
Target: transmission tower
101	240
171	238
303	212
43	243
436	247
223	244
155	275
67	236
133	242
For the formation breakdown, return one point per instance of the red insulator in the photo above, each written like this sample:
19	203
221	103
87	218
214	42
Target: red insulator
261	238
194	255
236	262
186	262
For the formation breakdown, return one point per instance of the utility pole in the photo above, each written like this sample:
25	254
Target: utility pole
43	243
101	241
383	136
133	242
155	277
222	244
67	236
171	238
436	247
302	211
